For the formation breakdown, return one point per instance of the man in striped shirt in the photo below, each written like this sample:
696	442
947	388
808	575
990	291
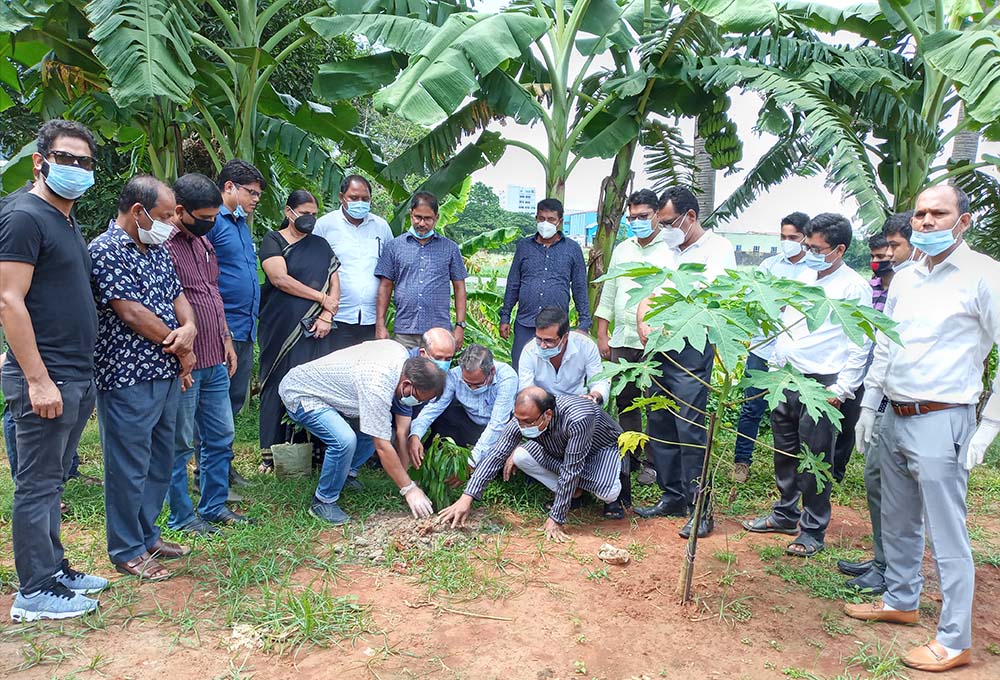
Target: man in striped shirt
205	401
567	443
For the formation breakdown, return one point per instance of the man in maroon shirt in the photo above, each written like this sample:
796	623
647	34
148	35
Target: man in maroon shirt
205	401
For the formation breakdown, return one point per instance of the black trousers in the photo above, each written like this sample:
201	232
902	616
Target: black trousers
454	422
350	334
844	447
792	428
679	461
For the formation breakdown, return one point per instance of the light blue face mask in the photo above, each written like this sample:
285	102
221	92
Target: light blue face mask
934	242
240	213
549	352
443	364
816	262
67	181
422	237
531	432
642	228
359	209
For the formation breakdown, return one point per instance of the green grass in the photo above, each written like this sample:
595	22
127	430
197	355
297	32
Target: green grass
817	575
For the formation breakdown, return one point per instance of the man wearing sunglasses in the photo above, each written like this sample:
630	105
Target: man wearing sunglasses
47	311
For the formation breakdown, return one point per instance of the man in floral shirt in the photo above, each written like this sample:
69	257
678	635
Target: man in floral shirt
145	337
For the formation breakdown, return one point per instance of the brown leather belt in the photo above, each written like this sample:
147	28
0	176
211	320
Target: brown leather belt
916	408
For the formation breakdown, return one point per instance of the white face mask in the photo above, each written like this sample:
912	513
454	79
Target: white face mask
547	230
157	234
790	249
672	236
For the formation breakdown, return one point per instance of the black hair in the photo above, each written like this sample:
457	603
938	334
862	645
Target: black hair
540	397
345	183
142	189
295	199
551	205
553	316
799	220
876	241
834	228
961	198
52	130
424	198
425	375
644	197
682	199
194	191
239	171
899	223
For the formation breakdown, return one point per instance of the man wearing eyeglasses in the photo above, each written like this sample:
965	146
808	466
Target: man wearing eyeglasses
644	247
48	313
561	362
476	405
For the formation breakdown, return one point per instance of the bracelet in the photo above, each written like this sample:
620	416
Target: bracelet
408	488
330	320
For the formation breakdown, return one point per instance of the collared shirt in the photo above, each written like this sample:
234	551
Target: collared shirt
779	266
715	252
614	305
579	429
358	248
543	276
358	382
491	407
947	319
827	350
580	363
198	270
120	271
879	293
421	276
238	281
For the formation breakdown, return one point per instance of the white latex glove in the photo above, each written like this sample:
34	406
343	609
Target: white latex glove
981	440
419	504
865	429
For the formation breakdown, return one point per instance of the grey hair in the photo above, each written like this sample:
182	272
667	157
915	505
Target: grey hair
476	358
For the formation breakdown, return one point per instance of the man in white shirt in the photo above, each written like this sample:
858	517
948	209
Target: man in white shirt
644	247
829	357
357	237
947	314
476	406
680	450
359	382
561	362
787	264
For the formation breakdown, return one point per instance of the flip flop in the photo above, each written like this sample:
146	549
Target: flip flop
810	546
768	525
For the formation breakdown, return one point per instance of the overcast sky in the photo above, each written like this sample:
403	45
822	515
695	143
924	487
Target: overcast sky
809	195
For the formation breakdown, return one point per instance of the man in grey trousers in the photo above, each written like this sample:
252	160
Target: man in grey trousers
947	311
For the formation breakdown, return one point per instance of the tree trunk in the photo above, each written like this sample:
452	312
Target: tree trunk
965	146
614	192
704	177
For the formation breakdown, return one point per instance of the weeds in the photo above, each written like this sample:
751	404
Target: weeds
880	661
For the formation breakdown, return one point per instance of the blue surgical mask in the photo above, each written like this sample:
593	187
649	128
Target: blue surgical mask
549	352
531	432
480	389
359	209
443	364
816	262
239	212
642	228
416	234
67	181
934	242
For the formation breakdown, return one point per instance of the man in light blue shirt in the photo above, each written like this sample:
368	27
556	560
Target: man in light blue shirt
477	404
357	237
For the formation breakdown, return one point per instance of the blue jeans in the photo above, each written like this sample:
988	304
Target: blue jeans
9	441
345	448
205	404
750	414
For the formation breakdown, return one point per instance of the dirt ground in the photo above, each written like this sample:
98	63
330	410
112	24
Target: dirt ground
564	615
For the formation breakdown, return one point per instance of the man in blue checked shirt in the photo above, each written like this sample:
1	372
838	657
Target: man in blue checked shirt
477	403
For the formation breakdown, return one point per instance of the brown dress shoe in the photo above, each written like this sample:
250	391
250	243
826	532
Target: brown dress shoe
876	611
933	658
167	550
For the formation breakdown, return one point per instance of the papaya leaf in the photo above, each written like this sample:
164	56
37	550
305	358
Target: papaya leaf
812	394
655	403
816	465
623	373
695	323
630	442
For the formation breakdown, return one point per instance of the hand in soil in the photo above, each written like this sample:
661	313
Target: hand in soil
457	512
554	532
508	468
419	504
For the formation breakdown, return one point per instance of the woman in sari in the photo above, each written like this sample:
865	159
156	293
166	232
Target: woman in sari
299	298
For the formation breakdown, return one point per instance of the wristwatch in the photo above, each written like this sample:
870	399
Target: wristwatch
460	324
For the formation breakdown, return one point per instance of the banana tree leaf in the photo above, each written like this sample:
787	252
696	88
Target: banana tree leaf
18	169
251	56
923	13
604	18
972	59
610	138
506	96
298	146
399	33
489	240
739	16
864	18
356	77
432	11
16	15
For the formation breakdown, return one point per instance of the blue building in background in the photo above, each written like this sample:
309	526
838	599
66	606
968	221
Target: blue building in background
581	227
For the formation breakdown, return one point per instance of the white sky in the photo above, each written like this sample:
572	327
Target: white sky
809	195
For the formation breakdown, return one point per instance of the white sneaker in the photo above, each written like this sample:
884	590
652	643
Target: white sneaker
53	602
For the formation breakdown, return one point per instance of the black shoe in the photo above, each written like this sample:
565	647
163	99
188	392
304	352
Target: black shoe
664	509
854	568
237	480
614	510
199	527
229	518
354	484
872	582
705	526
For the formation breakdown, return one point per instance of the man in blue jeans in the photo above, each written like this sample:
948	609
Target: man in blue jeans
359	382
206	402
787	264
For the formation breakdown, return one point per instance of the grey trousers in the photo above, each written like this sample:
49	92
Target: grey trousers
873	489
793	427
923	487
408	340
45	449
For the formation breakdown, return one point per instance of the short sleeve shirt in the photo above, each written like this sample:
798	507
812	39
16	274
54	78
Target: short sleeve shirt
422	276
121	271
59	301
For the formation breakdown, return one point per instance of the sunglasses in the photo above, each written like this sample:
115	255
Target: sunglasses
66	158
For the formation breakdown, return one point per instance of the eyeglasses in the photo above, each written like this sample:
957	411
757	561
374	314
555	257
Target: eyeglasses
423	220
644	216
67	158
815	250
253	192
546	343
476	386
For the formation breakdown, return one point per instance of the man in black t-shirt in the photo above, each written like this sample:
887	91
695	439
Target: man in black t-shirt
50	320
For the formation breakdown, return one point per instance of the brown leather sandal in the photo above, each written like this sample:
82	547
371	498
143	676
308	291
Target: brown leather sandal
145	567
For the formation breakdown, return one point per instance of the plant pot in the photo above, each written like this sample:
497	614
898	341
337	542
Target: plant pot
292	460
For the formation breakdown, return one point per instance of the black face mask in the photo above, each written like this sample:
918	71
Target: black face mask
883	267
199	227
305	223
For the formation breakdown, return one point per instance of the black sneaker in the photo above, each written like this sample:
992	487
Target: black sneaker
354	484
199	527
328	512
229	518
